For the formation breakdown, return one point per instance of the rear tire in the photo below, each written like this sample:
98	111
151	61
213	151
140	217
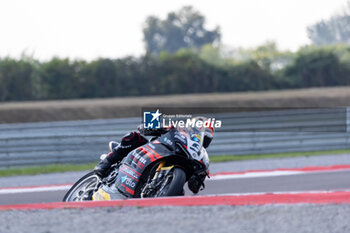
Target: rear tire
174	187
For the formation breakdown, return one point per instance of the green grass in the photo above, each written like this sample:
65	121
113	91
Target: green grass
226	158
34	170
214	159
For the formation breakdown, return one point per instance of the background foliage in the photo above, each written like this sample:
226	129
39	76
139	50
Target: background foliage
182	29
333	30
186	71
183	56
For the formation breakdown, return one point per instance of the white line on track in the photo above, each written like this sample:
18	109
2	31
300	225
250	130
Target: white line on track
285	192
34	189
252	174
255	174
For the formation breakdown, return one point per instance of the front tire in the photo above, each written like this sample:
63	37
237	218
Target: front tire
83	189
173	183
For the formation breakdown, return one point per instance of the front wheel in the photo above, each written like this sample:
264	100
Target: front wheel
83	189
173	183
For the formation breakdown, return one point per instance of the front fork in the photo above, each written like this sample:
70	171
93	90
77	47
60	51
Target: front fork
160	170
158	176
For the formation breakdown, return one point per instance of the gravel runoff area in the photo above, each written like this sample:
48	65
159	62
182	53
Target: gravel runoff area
268	218
236	166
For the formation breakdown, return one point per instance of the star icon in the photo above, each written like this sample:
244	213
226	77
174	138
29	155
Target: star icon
156	115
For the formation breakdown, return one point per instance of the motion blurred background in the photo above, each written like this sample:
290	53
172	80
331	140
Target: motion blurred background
95	49
86	60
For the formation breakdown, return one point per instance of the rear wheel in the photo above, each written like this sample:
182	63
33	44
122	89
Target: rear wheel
173	183
83	189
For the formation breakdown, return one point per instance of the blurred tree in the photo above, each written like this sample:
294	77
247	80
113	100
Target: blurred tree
59	80
331	31
246	76
15	80
35	78
182	29
212	55
267	56
318	67
185	72
270	58
98	79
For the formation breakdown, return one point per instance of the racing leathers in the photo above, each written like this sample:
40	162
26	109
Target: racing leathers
128	143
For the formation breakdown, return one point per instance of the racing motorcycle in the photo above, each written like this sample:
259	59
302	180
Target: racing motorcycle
159	168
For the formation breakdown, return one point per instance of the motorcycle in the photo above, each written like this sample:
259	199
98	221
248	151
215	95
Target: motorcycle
157	169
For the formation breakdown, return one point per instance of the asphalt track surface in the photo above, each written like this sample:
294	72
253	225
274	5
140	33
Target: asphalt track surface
315	181
268	216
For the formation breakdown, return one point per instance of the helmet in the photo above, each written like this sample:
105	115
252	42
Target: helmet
207	129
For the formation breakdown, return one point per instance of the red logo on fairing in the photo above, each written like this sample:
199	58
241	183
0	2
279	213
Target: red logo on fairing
150	153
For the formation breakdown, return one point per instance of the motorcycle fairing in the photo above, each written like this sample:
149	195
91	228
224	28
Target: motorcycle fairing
137	160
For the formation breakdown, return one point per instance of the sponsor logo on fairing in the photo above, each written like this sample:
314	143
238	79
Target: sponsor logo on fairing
128	181
180	137
138	157
129	172
168	141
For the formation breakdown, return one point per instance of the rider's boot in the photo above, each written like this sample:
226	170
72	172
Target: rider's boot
115	156
102	167
128	143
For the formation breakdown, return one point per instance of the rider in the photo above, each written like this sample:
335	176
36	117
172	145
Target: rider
134	140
